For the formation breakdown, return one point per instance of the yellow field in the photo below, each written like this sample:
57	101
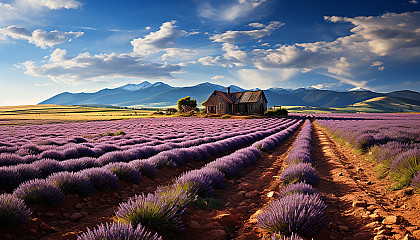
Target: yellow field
37	114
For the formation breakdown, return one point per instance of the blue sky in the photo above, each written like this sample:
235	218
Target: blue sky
52	46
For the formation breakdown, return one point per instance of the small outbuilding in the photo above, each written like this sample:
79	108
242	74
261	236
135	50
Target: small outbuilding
249	102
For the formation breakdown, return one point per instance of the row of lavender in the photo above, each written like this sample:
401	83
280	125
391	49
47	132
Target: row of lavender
53	189
394	143
30	143
144	159
161	211
299	210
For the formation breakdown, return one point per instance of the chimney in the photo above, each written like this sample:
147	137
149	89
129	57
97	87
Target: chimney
228	90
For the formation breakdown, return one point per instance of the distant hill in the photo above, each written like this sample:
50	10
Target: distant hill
160	94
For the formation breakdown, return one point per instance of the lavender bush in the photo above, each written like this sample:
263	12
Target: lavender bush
39	191
9	179
415	183
118	231
72	183
125	171
145	167
101	178
13	210
295	213
405	167
299	187
302	172
160	211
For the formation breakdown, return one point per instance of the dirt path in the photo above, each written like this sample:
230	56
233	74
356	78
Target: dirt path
360	206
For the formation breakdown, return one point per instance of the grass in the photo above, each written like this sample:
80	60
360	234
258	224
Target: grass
38	114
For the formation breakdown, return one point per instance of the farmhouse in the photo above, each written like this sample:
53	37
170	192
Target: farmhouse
249	102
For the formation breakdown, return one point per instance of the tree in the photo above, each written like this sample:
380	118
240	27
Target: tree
186	104
204	103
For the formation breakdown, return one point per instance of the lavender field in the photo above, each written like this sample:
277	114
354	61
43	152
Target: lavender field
43	164
46	167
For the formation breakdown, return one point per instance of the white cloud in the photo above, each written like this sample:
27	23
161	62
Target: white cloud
257	25
376	63
157	41
25	10
211	61
39	37
243	36
388	34
50	4
229	11
340	67
327	86
178	54
217	77
87	67
254	78
233	54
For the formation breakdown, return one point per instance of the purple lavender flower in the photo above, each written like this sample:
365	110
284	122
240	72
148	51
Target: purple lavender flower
47	166
118	231
27	171
116	156
145	167
13	210
8	159
302	172
53	154
125	171
415	183
160	211
71	183
279	236
299	187
39	191
101	178
295	213
9	179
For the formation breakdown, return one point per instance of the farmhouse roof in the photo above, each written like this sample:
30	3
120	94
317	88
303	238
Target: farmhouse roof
241	97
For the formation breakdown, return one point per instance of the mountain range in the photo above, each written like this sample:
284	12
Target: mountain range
161	94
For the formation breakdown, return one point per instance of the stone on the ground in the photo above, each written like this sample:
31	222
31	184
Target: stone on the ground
75	216
359	203
389	220
216	234
194	225
362	236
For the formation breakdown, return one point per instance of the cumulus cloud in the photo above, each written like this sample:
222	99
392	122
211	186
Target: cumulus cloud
88	67
233	54
211	61
388	34
157	41
229	11
243	36
254	78
39	37
178	54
